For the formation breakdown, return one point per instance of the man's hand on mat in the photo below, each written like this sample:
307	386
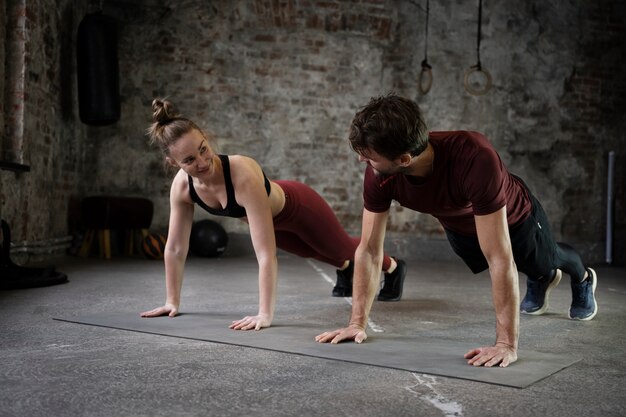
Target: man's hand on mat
168	309
492	355
252	322
352	332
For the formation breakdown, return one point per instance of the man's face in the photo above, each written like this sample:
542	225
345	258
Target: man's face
381	165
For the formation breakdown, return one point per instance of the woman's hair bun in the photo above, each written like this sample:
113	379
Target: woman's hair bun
163	111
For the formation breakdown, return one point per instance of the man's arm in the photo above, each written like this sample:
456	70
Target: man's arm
495	243
366	279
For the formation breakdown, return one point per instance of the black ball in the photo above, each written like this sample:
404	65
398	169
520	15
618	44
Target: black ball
208	239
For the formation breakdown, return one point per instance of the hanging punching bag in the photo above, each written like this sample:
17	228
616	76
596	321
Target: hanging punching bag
98	71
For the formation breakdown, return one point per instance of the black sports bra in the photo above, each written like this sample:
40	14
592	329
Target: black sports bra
232	208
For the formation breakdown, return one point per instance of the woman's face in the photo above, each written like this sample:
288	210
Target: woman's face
192	153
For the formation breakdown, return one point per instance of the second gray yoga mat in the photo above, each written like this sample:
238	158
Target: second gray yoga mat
410	353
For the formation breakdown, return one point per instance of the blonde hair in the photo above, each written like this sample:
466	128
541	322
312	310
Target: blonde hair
168	126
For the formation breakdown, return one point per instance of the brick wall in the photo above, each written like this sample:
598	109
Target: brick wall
3	23
40	126
594	103
281	80
278	81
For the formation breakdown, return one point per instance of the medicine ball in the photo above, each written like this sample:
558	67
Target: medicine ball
153	245
208	239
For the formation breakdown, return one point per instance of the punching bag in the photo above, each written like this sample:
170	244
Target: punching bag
98	70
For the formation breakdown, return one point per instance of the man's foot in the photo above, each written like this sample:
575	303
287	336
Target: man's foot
537	292
343	287
584	306
394	282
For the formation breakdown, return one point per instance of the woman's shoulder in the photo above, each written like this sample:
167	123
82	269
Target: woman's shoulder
242	164
241	160
245	171
181	178
180	186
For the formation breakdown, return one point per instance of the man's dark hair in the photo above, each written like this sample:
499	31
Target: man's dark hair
389	125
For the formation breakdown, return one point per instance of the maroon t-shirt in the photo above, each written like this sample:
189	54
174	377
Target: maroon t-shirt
468	179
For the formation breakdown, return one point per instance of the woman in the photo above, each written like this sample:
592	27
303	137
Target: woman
284	214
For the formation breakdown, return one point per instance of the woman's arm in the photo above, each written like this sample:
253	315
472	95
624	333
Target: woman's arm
181	219
250	193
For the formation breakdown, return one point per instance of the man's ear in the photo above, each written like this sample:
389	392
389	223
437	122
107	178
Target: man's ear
405	159
171	162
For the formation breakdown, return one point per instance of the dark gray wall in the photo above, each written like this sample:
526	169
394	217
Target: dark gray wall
281	80
40	127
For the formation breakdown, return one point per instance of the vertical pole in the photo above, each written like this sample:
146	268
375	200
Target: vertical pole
609	209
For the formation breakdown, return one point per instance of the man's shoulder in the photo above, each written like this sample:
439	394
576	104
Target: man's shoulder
456	135
370	177
462	140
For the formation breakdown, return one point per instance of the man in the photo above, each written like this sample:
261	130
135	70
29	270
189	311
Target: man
490	218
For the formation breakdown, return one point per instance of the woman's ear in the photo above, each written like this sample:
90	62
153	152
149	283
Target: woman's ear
171	162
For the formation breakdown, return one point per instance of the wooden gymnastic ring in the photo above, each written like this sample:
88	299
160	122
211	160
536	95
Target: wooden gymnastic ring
472	90
427	73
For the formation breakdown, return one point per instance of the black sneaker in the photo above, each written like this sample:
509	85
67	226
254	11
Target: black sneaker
584	306
343	287
537	292
394	282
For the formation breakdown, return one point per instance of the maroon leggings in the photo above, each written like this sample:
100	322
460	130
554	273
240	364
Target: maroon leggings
308	227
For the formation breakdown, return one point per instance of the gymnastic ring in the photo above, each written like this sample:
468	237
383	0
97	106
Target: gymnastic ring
427	73
475	91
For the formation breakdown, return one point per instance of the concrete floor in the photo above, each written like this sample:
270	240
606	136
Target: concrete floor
54	368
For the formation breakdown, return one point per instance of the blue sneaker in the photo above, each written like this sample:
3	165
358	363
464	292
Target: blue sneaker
537	292
584	306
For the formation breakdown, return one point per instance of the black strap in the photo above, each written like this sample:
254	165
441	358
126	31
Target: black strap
478	36
425	61
228	181
425	77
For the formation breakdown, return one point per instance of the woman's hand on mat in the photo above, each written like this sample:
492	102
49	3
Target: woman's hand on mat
352	332
168	309
489	356
252	322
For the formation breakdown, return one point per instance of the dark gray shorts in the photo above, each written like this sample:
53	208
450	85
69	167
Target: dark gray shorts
534	247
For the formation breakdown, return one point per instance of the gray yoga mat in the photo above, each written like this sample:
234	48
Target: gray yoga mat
410	353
